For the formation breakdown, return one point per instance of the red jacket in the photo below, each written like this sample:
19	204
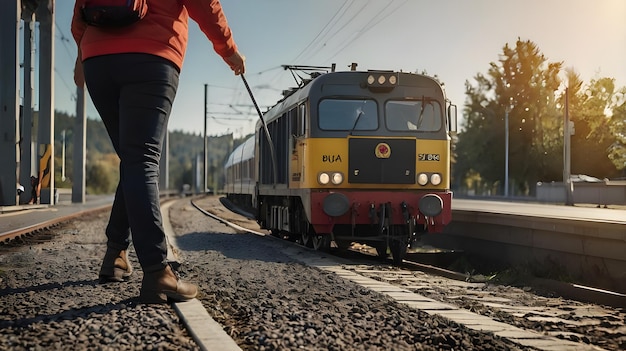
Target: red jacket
162	32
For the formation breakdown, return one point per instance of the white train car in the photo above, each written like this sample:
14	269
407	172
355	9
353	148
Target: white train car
241	174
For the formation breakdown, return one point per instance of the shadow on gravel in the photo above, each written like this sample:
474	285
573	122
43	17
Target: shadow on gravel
71	314
49	286
235	246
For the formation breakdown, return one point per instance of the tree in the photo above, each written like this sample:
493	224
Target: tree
617	150
522	84
591	109
100	179
102	162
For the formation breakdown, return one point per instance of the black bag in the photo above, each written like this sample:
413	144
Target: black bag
113	13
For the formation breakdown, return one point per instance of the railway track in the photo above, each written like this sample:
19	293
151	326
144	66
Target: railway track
54	217
529	320
22	233
542	321
435	261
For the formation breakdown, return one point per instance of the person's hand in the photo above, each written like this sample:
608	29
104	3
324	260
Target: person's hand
79	76
237	63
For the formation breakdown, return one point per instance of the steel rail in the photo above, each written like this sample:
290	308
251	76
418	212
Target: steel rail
19	232
567	290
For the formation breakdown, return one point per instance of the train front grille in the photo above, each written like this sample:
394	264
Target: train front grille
381	161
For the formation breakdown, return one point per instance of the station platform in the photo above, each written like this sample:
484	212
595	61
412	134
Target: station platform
578	212
21	216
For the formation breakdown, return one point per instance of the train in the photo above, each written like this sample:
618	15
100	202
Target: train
350	156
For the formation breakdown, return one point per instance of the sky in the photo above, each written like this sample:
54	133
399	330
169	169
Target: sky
453	39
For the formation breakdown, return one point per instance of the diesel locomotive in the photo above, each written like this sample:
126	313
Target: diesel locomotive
350	156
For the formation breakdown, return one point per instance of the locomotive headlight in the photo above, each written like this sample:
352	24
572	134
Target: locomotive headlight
337	178
435	178
323	178
422	179
381	80
370	79
392	80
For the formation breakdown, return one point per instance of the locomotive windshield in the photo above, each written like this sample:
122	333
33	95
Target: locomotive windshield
418	115
336	114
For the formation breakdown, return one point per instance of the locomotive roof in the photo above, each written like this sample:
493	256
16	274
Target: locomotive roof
295	94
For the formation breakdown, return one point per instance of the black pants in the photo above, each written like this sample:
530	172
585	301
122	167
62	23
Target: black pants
133	94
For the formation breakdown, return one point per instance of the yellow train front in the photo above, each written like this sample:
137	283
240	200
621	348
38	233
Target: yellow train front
357	157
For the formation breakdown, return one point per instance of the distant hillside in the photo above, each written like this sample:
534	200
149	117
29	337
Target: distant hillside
102	171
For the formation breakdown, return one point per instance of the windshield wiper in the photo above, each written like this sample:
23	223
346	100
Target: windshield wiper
356	121
420	118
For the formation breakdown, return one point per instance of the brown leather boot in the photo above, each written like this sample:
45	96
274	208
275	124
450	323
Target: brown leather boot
115	266
158	286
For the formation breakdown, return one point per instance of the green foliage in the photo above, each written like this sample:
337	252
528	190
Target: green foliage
591	107
617	150
102	164
527	88
99	179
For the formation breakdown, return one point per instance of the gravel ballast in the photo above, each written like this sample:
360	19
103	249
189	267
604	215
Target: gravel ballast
51	300
264	299
268	301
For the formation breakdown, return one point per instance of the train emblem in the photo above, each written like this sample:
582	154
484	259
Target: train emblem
382	150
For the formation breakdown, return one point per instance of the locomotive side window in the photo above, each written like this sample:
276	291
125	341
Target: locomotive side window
301	119
293	121
293	126
418	115
336	114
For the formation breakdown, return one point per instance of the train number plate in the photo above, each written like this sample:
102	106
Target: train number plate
428	157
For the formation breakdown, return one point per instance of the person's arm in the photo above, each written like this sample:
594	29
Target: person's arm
212	21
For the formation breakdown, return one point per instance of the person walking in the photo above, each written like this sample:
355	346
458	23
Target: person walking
132	73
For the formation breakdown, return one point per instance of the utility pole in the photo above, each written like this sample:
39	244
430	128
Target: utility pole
80	147
506	150
9	100
63	133
568	131
45	16
206	141
28	162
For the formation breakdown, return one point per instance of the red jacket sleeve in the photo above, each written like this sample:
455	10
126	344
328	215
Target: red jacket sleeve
212	21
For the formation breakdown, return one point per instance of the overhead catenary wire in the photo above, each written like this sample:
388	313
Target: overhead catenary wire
330	23
347	24
321	35
65	41
366	27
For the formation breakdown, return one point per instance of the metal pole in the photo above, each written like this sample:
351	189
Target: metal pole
45	16
567	135
206	146
9	101
80	148
63	133
506	156
28	163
